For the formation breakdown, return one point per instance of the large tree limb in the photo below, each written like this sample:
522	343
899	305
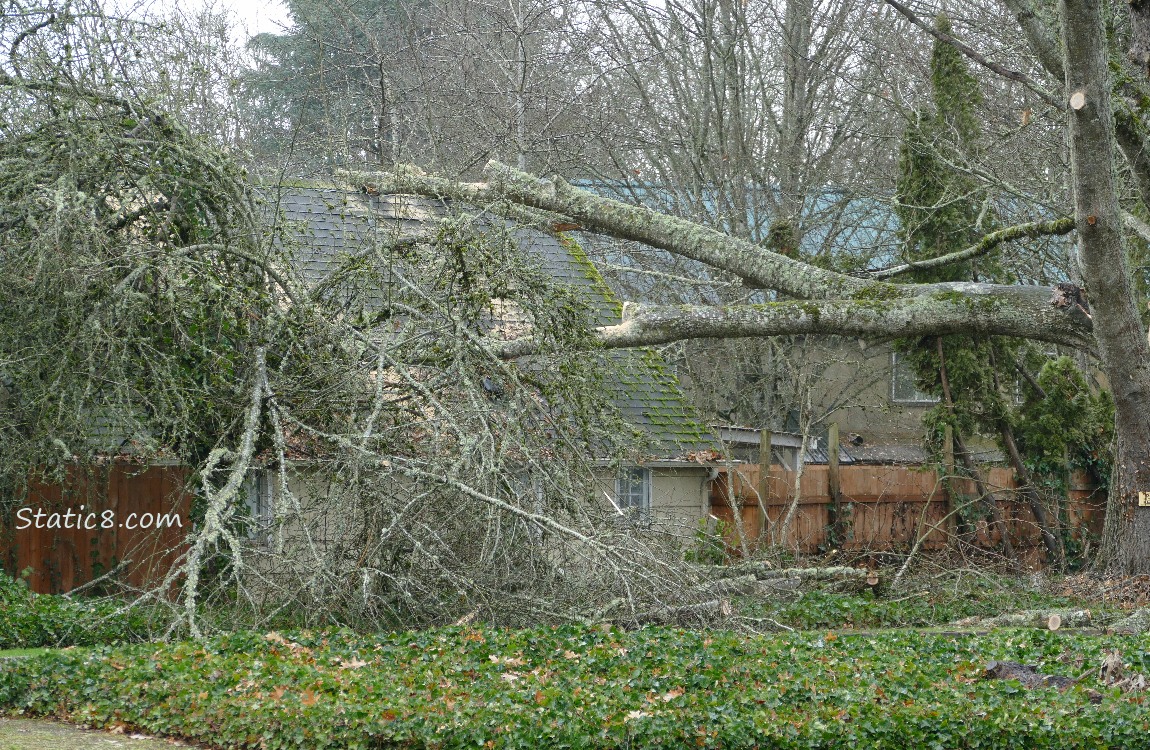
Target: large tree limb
830	302
615	218
599	214
1042	39
983	246
1019	315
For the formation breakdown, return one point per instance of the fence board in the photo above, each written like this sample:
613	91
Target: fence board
889	507
62	559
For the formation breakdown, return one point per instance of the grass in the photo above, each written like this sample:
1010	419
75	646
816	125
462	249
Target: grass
25	734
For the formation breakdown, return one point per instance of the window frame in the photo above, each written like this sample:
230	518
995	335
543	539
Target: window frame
626	480
260	505
918	398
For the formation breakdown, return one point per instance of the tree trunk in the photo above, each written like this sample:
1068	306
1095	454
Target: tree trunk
1049	538
984	492
1121	342
797	34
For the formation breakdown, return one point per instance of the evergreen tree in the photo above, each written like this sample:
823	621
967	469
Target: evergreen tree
939	209
318	88
937	206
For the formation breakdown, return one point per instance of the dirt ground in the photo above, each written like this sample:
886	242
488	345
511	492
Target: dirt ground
39	734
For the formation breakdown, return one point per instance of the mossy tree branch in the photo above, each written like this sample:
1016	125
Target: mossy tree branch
852	305
983	246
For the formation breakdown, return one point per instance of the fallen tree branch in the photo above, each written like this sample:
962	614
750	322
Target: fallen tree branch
742	258
827	301
687	614
764	572
1136	623
740	586
650	325
1033	618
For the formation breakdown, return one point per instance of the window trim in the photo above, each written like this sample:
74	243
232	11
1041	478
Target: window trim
629	474
925	400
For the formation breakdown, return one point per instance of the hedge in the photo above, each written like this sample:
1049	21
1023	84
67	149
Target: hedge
582	687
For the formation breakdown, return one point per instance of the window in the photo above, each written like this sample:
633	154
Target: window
633	491
903	389
258	496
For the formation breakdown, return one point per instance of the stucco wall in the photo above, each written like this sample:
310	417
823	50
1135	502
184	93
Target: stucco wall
679	497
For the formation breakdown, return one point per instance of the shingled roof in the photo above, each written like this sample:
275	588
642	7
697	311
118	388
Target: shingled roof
331	223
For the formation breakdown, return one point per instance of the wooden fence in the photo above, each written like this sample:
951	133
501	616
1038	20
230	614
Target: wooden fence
885	508
124	503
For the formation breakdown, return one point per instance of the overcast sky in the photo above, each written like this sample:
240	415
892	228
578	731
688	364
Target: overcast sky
251	16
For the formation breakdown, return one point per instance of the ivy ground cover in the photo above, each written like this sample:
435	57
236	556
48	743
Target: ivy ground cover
29	620
584	687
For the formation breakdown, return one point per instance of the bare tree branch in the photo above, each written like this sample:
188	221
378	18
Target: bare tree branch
1013	75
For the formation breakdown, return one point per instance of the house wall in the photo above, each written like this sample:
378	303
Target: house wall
851	385
857	387
680	497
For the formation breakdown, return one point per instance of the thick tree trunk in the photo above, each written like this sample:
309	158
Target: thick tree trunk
1121	342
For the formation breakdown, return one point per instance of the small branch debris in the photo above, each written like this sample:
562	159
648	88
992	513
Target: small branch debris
1029	676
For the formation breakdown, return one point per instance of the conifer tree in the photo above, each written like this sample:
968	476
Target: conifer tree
938	206
939	209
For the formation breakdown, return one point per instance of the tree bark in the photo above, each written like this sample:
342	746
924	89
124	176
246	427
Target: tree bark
1121	341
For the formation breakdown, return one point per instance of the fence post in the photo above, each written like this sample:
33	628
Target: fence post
764	479
947	481
838	535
